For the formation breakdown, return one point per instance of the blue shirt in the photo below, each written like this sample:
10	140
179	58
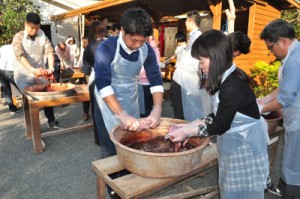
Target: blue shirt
105	54
289	86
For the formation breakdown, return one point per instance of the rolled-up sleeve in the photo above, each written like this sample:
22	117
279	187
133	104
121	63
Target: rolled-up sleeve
17	45
153	71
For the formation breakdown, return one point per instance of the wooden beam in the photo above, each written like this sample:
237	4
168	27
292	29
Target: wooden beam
258	2
216	11
90	8
294	3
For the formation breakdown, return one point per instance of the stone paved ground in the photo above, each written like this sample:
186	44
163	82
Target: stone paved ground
63	170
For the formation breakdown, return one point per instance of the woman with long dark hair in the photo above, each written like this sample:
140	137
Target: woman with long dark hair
242	136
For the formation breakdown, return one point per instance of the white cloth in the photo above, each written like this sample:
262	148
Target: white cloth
7	58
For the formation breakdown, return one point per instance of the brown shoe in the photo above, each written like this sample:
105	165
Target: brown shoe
85	117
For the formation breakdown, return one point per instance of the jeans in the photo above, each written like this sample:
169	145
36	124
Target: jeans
7	77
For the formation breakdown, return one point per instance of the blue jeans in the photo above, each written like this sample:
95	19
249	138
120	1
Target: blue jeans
107	147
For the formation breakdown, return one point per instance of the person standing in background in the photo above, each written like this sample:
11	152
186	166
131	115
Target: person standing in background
96	36
74	50
280	38
7	64
63	52
115	29
30	46
186	79
144	92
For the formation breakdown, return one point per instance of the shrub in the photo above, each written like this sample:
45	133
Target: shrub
264	77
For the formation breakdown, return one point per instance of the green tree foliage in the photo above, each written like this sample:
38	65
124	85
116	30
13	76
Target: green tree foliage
12	17
293	17
264	77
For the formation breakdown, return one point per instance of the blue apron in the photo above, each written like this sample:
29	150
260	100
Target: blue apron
124	81
291	117
242	155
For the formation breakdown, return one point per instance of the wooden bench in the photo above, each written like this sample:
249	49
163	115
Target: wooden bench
135	186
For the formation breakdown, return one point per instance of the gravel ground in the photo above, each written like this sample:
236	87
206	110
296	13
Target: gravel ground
64	170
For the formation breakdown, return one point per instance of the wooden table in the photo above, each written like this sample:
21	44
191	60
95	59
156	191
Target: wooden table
32	121
135	186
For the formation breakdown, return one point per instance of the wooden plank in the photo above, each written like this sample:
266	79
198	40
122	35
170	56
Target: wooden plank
126	186
82	97
90	8
192	193
66	130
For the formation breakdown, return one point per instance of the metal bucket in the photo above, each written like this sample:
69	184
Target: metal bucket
50	91
157	165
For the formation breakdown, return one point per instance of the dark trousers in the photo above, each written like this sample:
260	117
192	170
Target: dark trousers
148	100
288	191
7	77
49	113
107	147
86	106
176	100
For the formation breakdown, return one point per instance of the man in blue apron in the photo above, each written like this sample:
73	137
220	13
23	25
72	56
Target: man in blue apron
118	61
31	46
279	37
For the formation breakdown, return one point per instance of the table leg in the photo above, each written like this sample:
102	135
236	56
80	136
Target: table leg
27	119
100	188
36	131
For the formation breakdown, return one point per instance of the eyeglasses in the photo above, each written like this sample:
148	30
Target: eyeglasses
271	47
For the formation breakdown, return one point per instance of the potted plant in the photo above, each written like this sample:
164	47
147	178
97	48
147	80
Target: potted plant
264	80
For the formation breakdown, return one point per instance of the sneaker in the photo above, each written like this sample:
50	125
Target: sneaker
43	144
15	110
55	124
273	190
85	117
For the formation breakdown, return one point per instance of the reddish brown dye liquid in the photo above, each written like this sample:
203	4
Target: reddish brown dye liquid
48	88
157	145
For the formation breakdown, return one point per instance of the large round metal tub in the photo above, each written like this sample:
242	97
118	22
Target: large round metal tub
50	91
157	165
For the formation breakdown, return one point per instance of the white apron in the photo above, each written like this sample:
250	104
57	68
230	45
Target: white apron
291	153
242	155
187	76
34	52
124	81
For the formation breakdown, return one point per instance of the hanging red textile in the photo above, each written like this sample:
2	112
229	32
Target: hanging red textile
162	39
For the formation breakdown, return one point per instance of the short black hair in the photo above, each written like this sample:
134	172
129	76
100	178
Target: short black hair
195	16
116	26
240	42
277	29
180	36
136	21
34	18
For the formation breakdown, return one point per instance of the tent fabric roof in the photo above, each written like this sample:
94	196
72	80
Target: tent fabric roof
113	9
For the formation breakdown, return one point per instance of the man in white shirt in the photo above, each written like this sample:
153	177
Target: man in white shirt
7	61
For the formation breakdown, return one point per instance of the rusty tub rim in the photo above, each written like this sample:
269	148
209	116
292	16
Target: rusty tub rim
203	145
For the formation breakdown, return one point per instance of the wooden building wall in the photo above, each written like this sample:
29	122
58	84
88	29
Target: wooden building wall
259	17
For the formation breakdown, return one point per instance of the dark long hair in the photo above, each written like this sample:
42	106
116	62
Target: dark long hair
213	44
96	30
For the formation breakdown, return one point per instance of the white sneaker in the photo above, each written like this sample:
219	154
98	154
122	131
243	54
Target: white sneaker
43	144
